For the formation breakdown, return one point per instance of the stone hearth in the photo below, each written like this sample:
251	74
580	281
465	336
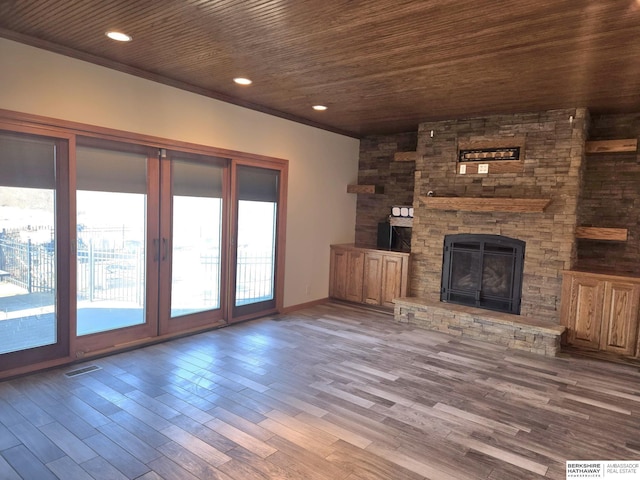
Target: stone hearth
513	331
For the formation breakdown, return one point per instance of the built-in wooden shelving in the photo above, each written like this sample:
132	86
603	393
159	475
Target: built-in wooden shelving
474	204
401	221
601	233
365	189
405	156
612	146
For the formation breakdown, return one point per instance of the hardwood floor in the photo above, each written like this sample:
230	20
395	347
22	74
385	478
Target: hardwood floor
328	393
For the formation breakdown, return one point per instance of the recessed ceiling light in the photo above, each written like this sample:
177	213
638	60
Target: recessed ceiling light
119	36
242	81
320	108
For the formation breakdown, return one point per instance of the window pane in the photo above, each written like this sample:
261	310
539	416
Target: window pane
111	257
196	236
27	243
255	265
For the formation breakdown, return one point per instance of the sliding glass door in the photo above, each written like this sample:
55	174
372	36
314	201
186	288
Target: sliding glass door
193	256
32	186
109	241
116	222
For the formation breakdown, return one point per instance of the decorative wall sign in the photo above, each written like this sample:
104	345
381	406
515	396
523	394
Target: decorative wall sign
484	156
489	154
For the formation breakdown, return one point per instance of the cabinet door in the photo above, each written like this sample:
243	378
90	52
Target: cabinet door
338	274
354	275
585	312
620	318
393	274
373	278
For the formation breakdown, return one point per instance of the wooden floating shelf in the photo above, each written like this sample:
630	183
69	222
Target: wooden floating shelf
401	221
472	204
405	156
365	189
600	233
612	146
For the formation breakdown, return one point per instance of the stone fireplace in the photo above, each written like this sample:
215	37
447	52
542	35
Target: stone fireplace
551	167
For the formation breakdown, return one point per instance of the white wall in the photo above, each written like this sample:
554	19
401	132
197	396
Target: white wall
321	164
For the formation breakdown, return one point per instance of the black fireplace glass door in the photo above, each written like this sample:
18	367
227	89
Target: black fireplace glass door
465	271
497	282
497	275
483	271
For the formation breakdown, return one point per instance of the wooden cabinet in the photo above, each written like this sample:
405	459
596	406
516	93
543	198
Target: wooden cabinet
393	281
601	312
620	318
584	322
346	272
372	282
367	275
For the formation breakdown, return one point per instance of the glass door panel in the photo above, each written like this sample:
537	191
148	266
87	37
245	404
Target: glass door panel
28	273
256	252
257	207
196	237
192	268
111	205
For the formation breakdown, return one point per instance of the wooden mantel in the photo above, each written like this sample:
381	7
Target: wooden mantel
475	204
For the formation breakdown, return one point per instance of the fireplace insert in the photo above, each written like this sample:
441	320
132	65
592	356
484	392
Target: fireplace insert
483	271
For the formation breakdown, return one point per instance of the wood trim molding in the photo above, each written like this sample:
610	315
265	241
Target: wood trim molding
473	204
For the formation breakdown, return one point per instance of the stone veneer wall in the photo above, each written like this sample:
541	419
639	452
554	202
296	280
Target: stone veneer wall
611	198
553	160
376	167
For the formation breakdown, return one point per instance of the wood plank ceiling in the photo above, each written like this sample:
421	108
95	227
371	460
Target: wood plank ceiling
380	66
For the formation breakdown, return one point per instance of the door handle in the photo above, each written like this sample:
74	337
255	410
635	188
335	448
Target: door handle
165	248
156	249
